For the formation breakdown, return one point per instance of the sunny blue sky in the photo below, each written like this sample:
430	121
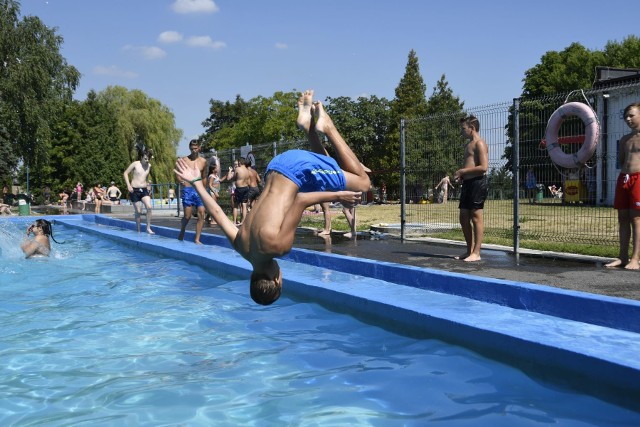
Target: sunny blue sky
186	52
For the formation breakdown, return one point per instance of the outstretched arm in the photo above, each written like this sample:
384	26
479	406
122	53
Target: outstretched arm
290	222
193	176
347	198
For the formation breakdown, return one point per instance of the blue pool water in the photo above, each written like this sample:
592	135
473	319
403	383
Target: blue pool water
100	334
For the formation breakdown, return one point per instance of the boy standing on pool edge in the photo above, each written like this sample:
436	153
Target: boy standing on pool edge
190	198
627	198
138	193
295	179
474	188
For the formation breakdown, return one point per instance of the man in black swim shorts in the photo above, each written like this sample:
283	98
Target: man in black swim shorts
137	187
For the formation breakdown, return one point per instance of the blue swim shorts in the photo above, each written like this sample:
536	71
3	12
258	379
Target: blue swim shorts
309	171
190	197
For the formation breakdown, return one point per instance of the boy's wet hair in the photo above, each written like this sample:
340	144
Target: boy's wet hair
472	121
264	289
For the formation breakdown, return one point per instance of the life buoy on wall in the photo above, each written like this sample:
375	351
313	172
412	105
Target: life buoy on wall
592	131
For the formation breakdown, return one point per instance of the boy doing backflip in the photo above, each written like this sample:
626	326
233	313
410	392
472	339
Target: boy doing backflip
627	198
294	180
474	188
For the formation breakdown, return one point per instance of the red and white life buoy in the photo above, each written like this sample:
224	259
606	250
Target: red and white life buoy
592	131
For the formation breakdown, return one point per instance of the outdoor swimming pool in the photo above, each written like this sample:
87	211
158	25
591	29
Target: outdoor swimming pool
104	333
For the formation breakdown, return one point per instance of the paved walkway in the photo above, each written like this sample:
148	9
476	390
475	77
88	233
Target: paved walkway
580	273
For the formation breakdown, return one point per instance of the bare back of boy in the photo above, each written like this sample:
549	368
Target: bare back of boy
242	176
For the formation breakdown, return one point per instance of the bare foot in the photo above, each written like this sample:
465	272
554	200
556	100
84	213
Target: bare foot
197	242
322	120
150	231
462	257
632	265
472	258
324	233
615	263
304	110
326	238
348	235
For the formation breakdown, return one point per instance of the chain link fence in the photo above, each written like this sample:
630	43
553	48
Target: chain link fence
530	198
561	206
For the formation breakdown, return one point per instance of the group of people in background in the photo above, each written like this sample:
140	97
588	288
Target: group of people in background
244	188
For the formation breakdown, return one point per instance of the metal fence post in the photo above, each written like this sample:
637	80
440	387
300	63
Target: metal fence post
403	217
176	194
516	176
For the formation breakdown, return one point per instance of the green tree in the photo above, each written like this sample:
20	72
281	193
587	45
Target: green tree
440	146
364	124
624	54
140	119
260	120
563	71
35	84
94	140
67	134
268	120
410	100
98	158
223	115
409	103
8	115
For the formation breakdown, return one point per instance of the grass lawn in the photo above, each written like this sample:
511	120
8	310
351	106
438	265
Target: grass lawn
545	226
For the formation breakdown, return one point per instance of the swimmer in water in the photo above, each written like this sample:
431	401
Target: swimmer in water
40	245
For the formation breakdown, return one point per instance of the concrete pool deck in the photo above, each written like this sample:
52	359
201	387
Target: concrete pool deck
589	342
565	271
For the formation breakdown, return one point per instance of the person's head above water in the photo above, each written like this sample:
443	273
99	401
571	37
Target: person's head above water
44	226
